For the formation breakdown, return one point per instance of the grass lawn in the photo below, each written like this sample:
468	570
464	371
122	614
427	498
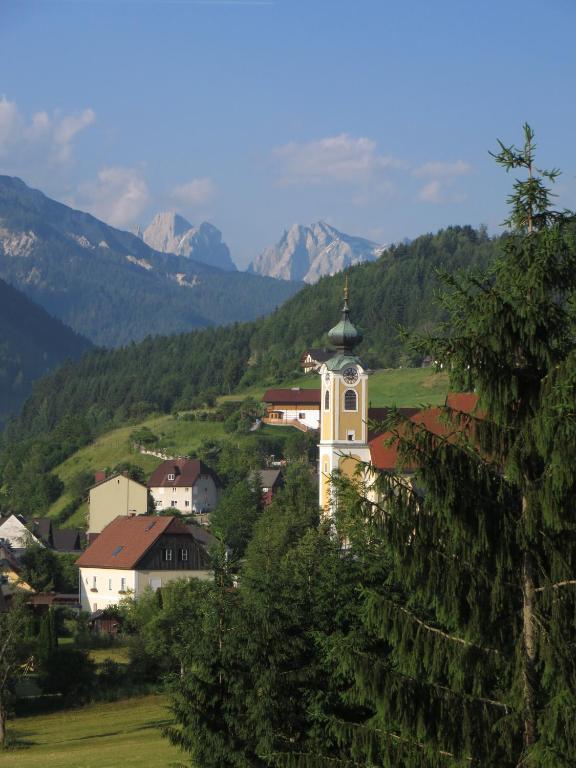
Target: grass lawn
402	387
176	435
406	387
118	653
122	734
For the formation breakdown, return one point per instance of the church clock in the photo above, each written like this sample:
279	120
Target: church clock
350	375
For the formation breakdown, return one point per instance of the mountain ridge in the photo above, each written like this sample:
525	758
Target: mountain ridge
169	232
107	283
309	253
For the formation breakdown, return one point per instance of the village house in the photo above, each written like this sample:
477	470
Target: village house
269	480
132	554
112	496
14	532
294	407
11	581
65	540
186	485
312	359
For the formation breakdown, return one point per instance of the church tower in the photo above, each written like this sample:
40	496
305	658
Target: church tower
343	407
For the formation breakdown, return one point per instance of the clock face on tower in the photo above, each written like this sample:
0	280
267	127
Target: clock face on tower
350	375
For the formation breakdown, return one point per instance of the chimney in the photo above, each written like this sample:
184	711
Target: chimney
99	475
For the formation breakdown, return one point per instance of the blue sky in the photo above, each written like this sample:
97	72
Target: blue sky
375	116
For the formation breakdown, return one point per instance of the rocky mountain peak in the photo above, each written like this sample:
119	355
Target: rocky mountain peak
309	253
169	232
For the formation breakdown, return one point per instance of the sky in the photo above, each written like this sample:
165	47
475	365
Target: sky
375	116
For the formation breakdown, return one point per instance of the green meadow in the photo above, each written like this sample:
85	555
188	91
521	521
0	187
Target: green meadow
122	734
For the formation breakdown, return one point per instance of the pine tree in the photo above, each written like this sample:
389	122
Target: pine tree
480	607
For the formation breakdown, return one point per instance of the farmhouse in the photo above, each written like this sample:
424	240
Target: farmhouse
184	484
293	407
132	554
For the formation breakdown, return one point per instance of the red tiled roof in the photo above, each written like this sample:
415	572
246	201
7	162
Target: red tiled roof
126	540
378	415
294	396
186	472
465	402
385	456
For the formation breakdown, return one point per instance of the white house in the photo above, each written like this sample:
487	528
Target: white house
293	407
134	553
185	484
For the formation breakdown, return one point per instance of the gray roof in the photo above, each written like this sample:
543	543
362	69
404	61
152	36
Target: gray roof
267	477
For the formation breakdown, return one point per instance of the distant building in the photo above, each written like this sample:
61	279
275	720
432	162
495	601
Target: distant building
66	540
294	407
187	485
132	554
269	480
14	532
10	578
312	359
113	496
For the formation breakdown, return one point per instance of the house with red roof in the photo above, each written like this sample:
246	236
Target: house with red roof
293	407
186	485
135	553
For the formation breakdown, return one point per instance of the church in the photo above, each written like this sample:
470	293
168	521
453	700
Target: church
345	415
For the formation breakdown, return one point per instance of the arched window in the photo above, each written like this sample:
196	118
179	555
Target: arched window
350	400
327	401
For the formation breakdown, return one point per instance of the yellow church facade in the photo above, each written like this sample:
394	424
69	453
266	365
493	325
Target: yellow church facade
343	407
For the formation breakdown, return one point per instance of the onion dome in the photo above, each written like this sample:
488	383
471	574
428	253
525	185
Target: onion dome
345	336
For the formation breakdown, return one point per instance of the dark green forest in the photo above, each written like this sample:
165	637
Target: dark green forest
31	344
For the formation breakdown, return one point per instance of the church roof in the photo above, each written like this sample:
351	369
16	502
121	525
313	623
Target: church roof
340	361
345	336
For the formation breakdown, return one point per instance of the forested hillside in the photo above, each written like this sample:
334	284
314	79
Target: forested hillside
397	290
31	344
166	373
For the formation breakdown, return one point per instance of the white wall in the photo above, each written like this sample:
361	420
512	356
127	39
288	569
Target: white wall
109	581
108	587
202	496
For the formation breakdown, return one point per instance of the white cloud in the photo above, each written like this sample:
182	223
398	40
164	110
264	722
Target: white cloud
194	192
45	139
442	177
439	170
431	193
118	196
344	159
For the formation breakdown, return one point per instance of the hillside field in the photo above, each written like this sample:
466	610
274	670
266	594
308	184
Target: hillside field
400	387
123	733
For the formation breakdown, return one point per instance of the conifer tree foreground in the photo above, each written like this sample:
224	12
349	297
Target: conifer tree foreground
480	610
